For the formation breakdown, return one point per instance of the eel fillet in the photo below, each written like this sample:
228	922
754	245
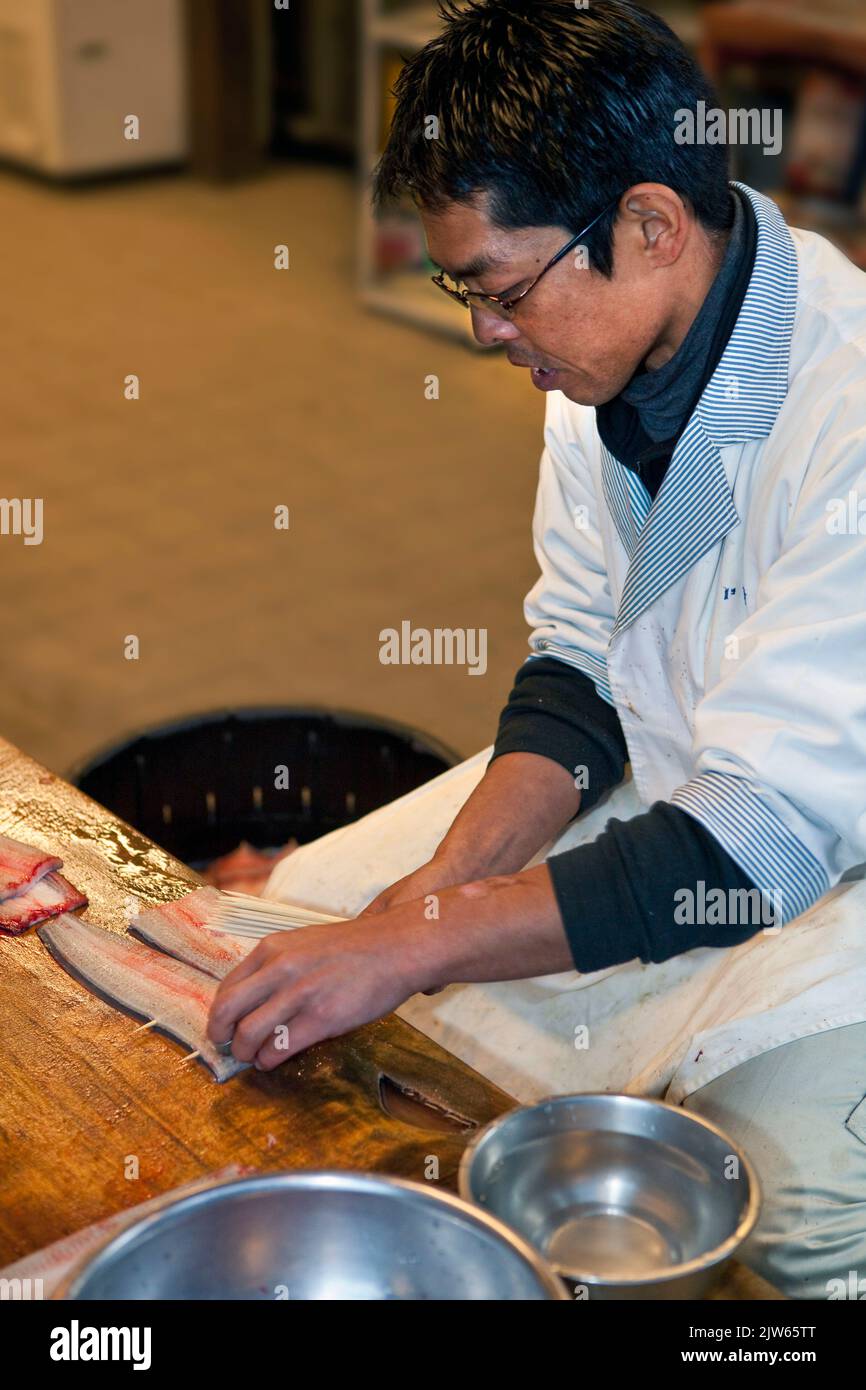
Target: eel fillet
145	982
47	898
178	928
21	866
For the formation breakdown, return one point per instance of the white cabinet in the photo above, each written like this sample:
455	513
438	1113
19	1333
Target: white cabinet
71	71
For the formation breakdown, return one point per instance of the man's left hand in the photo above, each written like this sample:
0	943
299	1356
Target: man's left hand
297	988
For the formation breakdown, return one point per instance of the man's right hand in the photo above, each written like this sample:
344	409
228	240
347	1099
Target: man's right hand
521	803
431	877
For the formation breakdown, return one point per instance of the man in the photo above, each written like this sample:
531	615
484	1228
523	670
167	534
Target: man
699	613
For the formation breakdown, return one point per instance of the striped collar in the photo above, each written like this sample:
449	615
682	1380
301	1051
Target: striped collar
745	393
693	508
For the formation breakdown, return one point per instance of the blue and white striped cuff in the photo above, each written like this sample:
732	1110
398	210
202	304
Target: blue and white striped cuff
594	667
762	844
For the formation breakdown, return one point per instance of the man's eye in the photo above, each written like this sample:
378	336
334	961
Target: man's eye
495	294
511	293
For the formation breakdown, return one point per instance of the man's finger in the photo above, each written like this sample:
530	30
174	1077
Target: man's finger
302	1031
234	999
269	1023
377	904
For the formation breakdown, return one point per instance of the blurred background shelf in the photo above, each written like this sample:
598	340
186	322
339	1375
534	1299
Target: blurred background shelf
810	64
393	267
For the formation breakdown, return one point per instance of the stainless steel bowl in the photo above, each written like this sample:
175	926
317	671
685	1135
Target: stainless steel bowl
326	1236
626	1197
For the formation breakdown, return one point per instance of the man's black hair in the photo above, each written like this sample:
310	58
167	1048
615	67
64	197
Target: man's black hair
554	111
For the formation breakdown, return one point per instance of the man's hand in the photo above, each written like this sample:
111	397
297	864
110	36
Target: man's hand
297	988
431	877
521	802
491	923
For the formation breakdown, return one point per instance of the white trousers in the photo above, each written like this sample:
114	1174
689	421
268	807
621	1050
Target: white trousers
799	1112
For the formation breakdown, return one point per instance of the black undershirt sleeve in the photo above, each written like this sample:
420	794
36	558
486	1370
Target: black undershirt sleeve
622	896
640	890
556	711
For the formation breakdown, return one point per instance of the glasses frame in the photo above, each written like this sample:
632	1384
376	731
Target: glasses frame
508	306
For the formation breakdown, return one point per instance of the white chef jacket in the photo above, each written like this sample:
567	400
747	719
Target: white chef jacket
726	621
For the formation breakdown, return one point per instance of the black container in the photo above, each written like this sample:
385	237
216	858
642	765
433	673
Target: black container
199	786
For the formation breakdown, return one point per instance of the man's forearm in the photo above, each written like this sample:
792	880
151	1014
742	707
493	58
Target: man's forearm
504	928
521	803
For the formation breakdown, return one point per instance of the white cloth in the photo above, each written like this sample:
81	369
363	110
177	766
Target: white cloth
726	621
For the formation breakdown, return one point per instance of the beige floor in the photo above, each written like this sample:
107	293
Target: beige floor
257	388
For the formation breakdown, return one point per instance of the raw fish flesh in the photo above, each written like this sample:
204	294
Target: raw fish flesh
47	898
178	928
173	995
21	866
246	869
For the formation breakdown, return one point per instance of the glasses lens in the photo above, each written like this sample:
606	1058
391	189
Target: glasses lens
450	284
472	299
489	306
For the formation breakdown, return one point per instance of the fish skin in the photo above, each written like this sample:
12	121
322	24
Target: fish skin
145	982
178	929
48	897
21	866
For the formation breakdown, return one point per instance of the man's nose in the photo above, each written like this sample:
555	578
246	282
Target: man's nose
490	328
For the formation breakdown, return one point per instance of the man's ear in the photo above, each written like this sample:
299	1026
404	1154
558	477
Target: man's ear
652	222
659	215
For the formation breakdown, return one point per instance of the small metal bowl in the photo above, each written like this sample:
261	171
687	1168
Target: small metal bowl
626	1197
315	1236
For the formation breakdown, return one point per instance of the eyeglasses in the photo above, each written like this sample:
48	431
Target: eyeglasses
504	306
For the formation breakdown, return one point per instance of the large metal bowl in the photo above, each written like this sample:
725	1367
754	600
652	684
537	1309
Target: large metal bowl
626	1197
324	1236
